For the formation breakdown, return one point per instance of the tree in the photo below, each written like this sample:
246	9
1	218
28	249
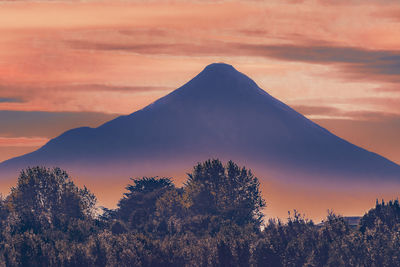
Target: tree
47	198
229	192
3	211
387	213
139	204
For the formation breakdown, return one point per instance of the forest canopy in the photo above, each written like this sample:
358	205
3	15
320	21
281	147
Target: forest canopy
214	219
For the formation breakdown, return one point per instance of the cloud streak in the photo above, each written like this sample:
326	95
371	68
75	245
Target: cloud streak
22	141
9	100
79	97
46	124
78	88
335	113
355	62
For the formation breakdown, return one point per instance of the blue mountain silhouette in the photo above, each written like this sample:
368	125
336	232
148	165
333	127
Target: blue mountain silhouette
219	113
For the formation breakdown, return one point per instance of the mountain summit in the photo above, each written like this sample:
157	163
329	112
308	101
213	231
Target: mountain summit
218	81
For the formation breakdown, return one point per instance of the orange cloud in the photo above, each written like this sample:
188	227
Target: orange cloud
22	141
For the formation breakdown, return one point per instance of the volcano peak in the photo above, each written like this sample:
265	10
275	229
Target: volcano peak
220	66
219	70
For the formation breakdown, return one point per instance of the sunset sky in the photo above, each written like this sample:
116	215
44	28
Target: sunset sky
65	64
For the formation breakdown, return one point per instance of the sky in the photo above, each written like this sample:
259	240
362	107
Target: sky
66	64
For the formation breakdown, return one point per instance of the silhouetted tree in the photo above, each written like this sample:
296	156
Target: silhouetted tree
387	213
47	198
138	205
229	192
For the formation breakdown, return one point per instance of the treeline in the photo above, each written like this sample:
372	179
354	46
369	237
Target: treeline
215	219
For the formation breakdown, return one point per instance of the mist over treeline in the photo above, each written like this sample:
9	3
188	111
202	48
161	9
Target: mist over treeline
214	219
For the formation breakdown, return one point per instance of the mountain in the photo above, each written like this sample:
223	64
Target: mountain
219	113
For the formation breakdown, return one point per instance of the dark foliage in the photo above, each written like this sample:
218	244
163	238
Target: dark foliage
228	192
215	219
137	208
384	213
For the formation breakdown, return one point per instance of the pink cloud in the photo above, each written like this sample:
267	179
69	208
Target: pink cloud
22	141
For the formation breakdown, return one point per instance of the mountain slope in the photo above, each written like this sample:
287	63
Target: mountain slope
219	113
